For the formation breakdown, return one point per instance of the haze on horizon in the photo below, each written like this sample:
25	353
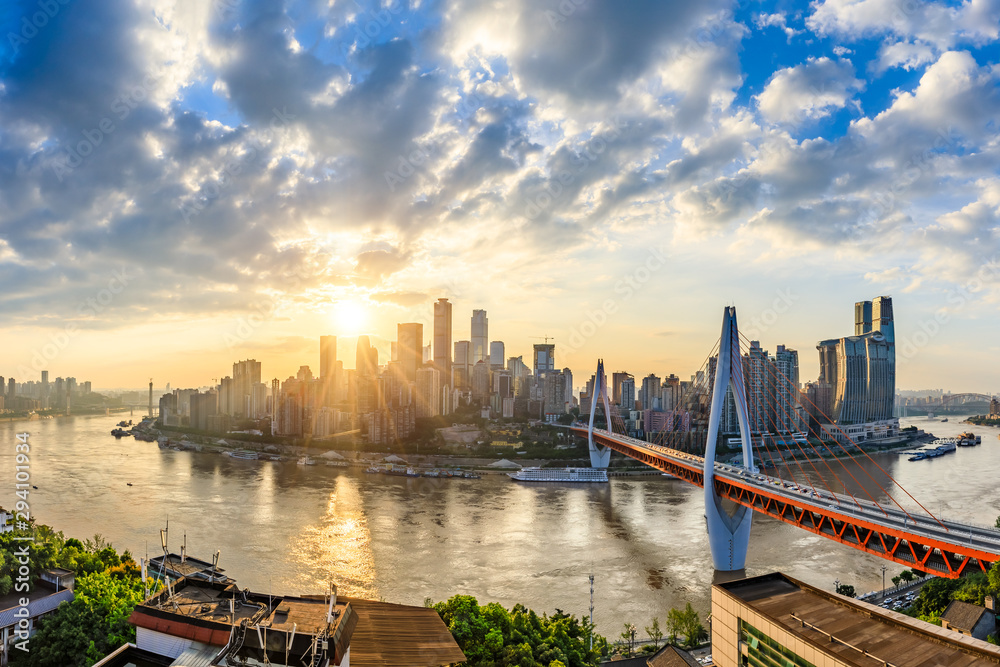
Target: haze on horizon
186	184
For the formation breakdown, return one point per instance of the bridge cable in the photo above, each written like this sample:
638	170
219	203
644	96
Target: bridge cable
889	495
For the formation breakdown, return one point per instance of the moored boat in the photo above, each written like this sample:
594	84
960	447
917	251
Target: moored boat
575	475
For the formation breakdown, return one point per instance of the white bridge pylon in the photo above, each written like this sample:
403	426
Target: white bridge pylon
600	457
728	529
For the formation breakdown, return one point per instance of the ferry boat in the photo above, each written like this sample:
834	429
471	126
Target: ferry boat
410	472
585	475
243	455
969	439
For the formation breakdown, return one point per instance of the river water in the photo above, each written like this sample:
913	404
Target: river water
290	529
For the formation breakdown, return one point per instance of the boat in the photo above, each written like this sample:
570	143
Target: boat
470	475
576	475
128	483
306	461
969	439
373	470
243	455
917	457
945	419
432	473
393	469
119	433
410	472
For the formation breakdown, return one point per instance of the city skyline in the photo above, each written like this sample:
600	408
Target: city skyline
237	179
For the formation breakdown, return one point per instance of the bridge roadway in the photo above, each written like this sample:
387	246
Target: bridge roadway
945	548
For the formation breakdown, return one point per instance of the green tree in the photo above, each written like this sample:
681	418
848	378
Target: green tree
896	580
492	636
628	638
654	632
675	621
906	576
846	590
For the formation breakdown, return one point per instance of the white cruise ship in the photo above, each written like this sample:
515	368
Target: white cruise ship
586	475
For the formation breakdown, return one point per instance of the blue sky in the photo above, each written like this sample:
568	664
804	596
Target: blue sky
261	173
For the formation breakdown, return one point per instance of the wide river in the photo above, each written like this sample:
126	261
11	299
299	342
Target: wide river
290	529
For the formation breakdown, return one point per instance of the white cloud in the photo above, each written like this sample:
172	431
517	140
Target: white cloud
908	55
808	91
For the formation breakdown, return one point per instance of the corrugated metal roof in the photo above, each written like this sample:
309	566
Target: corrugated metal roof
36	606
196	657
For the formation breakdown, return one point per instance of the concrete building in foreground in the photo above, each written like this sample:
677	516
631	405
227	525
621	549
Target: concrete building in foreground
200	622
774	620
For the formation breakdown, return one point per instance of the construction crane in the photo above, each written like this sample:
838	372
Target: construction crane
545	338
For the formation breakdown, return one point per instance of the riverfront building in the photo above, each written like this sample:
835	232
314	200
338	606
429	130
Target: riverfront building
774	620
199	622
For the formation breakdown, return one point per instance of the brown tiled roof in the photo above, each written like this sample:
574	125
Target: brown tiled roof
962	615
671	656
390	635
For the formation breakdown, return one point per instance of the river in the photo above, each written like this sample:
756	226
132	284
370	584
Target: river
290	529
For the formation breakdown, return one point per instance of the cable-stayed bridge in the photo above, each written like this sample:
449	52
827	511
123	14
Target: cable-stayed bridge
877	523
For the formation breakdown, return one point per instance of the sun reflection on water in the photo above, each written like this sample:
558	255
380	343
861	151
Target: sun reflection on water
338	547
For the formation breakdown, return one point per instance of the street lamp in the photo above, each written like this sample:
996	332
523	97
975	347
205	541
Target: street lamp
884	568
836	585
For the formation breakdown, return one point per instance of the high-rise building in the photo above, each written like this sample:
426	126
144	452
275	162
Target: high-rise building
442	338
628	393
428	396
480	336
258	401
544	358
758	374
861	369
503	383
568	374
245	375
11	389
616	386
496	355
410	348
789	415
649	393
366	360
481	380
328	369
204	406
275	390
553	393
463	363
521	374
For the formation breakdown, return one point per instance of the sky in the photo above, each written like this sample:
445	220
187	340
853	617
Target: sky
185	183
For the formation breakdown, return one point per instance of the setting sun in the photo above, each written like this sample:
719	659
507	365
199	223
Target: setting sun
349	316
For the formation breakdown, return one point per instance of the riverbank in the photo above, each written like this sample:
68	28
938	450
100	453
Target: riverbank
52	414
983	420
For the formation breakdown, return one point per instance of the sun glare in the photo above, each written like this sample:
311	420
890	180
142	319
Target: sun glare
349	317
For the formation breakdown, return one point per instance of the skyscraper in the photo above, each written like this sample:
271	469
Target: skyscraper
649	394
544	358
428	396
245	375
788	414
463	363
328	369
366	359
410	346
861	369
480	336
442	338
758	374
496	355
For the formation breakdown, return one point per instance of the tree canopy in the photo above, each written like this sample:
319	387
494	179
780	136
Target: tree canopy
492	636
